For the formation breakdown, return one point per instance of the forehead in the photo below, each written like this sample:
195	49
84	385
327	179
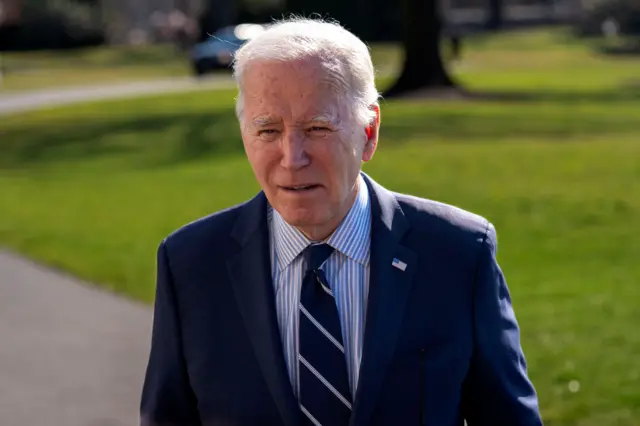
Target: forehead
293	90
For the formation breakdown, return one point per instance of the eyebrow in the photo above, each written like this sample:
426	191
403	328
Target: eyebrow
263	120
324	119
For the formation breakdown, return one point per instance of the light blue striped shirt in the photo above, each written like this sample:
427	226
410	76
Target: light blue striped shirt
347	271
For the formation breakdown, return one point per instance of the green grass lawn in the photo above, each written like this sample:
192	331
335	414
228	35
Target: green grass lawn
90	66
93	189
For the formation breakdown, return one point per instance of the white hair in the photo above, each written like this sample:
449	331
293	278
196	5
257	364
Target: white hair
346	58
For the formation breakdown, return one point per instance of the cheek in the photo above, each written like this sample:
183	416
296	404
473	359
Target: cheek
258	157
341	160
351	155
353	141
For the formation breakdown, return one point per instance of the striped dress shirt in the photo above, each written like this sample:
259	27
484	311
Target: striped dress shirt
347	271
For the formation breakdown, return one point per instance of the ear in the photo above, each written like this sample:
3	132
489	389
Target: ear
371	131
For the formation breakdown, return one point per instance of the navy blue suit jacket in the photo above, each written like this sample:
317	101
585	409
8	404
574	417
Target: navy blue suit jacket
441	340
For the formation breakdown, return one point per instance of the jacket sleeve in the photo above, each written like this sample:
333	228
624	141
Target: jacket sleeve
497	390
167	398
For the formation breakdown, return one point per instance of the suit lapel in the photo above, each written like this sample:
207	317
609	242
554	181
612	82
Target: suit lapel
250	272
388	294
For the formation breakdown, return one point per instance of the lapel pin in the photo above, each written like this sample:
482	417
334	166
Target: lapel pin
399	264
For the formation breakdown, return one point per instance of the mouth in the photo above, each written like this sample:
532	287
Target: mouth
300	188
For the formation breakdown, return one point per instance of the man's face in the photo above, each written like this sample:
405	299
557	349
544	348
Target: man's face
303	143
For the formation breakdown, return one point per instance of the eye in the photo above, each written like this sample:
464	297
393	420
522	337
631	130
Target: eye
267	132
319	129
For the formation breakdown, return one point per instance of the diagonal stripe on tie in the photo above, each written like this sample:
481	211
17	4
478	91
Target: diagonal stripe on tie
321	328
310	416
324	383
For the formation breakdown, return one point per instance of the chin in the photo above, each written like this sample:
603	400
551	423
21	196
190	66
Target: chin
302	217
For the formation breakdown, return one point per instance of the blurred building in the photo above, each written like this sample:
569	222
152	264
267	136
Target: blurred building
68	23
514	12
10	11
381	19
144	21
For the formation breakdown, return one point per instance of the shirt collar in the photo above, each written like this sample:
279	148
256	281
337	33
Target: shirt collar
351	238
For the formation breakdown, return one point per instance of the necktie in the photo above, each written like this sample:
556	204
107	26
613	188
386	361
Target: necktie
325	399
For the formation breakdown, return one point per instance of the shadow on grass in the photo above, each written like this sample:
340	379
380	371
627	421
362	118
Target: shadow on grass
514	124
147	140
467	116
628	49
627	92
630	91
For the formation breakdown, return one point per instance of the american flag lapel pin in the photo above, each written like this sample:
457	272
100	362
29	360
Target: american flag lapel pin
399	264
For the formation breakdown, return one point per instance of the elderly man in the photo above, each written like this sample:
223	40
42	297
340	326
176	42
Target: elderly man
327	299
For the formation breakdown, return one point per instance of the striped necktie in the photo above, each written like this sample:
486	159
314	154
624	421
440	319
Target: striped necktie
325	398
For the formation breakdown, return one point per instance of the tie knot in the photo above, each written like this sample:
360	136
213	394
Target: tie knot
316	254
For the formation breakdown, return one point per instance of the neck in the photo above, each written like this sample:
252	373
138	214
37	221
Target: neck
324	231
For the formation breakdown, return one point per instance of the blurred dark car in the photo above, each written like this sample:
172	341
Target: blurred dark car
217	52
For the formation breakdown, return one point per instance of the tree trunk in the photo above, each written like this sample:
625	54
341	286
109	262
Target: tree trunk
494	20
423	66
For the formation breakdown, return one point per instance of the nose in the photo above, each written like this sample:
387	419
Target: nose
294	155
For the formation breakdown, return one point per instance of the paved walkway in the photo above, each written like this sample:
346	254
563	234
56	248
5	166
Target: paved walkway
70	355
11	103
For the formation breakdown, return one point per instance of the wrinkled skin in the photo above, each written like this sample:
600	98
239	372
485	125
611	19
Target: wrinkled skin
298	133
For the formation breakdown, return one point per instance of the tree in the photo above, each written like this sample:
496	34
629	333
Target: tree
423	67
494	20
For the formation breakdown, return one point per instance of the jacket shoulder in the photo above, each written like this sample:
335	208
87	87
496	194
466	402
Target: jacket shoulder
195	238
447	220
